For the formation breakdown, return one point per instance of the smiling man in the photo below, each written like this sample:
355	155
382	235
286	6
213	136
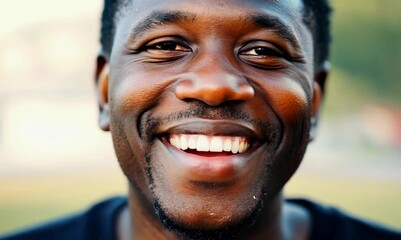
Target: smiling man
211	105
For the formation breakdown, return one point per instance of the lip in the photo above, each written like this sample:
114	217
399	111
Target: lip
209	169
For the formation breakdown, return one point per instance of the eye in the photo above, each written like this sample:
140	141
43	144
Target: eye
263	55
165	49
262	51
168	46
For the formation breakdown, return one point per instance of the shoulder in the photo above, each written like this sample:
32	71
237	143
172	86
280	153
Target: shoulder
330	223
97	222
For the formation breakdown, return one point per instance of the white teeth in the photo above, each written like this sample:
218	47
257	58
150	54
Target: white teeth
241	147
227	145
235	146
173	141
192	142
183	142
205	143
216	144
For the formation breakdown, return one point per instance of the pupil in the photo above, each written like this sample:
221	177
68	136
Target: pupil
168	46
262	51
267	52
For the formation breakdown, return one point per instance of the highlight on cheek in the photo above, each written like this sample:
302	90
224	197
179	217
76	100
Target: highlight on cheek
127	99
291	98
134	95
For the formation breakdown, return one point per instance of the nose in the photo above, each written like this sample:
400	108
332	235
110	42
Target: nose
213	84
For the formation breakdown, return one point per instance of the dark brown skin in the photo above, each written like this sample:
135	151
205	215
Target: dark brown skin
210	55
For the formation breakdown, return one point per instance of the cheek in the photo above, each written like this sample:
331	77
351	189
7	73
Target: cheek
130	95
290	101
134	93
288	96
135	87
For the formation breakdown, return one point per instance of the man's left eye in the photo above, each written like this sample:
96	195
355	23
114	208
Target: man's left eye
262	51
169	46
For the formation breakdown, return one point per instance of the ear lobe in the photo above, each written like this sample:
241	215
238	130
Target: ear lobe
318	95
102	92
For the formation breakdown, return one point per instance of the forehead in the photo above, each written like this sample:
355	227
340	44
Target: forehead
146	4
287	9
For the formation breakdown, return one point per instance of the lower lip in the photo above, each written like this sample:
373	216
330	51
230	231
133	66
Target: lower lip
210	168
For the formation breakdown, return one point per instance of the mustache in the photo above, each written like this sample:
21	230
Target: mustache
202	110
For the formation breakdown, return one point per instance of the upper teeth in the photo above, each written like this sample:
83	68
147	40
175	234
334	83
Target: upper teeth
205	143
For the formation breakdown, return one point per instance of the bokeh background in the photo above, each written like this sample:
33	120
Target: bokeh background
55	160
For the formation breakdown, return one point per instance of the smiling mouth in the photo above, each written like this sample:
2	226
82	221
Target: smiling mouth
202	144
209	151
211	138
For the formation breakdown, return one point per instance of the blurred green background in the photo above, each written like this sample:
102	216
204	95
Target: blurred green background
366	53
47	53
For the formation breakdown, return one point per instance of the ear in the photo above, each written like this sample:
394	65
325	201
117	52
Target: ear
318	96
102	92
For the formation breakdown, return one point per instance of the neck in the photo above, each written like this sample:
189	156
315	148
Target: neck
277	221
270	222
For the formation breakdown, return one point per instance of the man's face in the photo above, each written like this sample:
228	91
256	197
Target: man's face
210	104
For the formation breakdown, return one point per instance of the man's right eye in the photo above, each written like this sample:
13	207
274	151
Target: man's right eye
168	46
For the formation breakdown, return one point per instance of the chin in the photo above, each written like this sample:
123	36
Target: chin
209	210
208	227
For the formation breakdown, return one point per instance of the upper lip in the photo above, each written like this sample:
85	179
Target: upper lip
220	127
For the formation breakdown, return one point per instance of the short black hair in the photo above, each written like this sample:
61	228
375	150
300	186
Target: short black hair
107	28
317	15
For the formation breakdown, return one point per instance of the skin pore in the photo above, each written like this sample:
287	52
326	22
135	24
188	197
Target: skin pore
183	79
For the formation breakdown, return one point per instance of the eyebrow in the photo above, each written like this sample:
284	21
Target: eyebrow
273	23
157	19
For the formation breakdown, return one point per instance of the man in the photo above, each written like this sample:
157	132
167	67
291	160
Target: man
211	105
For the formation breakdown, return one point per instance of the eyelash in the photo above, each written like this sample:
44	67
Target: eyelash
159	46
267	52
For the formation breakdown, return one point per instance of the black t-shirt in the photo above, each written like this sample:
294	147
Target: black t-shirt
332	224
98	223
